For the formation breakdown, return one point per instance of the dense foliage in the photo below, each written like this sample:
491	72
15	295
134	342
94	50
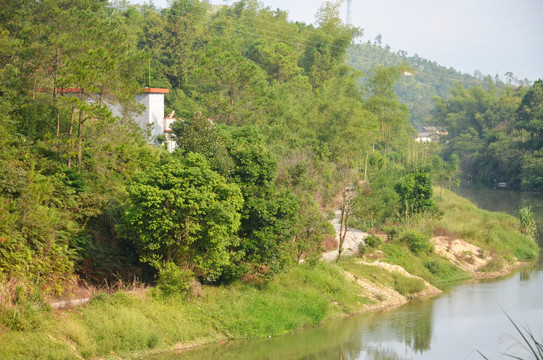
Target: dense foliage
184	213
83	194
272	121
497	135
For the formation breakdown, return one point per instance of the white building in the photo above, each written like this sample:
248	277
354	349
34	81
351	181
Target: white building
152	118
431	134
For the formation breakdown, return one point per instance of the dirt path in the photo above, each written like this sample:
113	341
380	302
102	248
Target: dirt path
353	238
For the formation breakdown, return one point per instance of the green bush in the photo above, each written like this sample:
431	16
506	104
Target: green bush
495	264
417	243
392	233
172	279
361	249
408	285
373	241
443	270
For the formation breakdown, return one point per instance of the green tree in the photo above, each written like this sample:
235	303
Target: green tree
381	100
199	135
326	46
182	212
530	116
415	191
229	85
443	171
269	214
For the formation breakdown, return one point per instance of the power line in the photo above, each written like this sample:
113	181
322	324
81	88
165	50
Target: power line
262	21
492	44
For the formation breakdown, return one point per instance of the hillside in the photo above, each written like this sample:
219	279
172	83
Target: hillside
423	79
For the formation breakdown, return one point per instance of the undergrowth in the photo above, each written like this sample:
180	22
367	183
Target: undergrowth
122	324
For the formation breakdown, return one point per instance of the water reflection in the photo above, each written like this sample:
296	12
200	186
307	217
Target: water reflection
371	336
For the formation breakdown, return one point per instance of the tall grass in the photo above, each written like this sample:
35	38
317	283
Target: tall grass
494	232
527	221
124	324
529	343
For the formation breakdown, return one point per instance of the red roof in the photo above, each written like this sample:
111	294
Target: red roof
156	91
78	90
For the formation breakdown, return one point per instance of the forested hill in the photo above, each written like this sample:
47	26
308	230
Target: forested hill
423	79
88	197
84	196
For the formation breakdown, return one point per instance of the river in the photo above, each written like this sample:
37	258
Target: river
467	319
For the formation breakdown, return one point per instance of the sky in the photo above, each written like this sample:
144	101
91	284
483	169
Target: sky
492	36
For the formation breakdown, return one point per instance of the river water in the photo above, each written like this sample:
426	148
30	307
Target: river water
467	319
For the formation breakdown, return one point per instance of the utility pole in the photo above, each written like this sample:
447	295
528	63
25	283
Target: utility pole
349	19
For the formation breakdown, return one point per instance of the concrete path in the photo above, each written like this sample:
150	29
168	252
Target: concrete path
353	238
69	303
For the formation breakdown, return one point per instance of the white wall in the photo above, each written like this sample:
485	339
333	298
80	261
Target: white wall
153	113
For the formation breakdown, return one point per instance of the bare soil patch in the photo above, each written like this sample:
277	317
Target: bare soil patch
385	297
469	257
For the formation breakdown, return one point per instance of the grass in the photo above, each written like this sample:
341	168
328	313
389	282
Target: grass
495	264
497	233
408	285
122	325
443	271
405	285
373	273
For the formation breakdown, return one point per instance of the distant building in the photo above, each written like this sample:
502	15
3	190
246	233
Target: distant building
431	134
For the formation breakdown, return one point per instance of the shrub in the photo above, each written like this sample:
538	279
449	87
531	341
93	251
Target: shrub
527	221
172	279
373	241
408	285
361	249
392	233
495	264
259	276
417	242
434	266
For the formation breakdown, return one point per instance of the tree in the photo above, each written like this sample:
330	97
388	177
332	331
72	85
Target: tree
229	85
326	46
530	116
279	60
269	214
382	101
171	39
415	191
198	135
347	179
182	212
443	171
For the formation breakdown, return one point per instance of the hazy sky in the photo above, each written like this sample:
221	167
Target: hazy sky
493	36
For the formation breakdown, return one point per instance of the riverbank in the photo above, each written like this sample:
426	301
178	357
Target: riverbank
123	325
134	325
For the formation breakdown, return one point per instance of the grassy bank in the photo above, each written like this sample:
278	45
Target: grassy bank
130	325
497	233
121	324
